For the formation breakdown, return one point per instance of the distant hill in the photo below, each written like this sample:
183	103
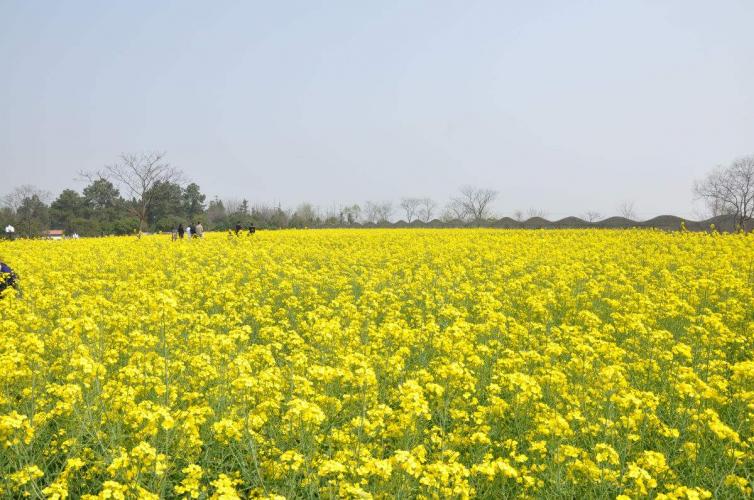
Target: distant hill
723	223
570	223
616	223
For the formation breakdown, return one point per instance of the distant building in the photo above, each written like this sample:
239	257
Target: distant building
54	234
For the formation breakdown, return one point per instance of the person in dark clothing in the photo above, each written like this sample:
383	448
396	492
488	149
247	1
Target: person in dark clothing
8	278
252	229
238	228
181	231
192	231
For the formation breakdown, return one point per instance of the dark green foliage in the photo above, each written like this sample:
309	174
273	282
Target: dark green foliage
33	216
193	201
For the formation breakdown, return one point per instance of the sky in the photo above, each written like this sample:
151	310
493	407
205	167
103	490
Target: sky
559	106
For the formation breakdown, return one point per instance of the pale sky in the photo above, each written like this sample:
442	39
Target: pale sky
562	106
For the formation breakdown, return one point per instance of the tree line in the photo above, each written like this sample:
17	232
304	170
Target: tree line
143	192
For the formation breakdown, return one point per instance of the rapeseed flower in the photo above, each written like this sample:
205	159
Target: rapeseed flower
380	363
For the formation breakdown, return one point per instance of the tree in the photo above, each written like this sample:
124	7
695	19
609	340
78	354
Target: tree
138	174
166	208
33	215
193	201
15	198
410	207
67	209
426	209
730	190
626	210
7	216
234	206
216	215
305	216
101	194
536	212
333	216
591	216
473	204
454	211
107	210
279	218
518	215
370	212
28	203
376	212
384	211
351	214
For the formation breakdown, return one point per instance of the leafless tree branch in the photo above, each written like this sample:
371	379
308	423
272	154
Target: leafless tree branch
730	190
410	207
138	174
473	204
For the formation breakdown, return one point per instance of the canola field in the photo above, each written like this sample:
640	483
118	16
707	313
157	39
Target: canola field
380	363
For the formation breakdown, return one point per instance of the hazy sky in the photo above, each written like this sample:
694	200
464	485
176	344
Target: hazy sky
564	106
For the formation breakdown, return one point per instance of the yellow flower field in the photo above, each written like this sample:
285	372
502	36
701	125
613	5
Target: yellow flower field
380	363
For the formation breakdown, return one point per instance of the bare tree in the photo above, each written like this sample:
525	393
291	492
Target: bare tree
332	215
376	212
273	215
410	207
536	212
350	214
306	215
138	174
474	203
518	215
454	210
370	212
29	205
426	209
233	206
730	190
626	210
15	198
384	211
714	207
591	216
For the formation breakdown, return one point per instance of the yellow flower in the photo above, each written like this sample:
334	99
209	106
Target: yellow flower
358	363
25	475
604	453
225	488
190	486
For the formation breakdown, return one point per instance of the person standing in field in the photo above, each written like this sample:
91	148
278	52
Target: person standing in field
180	230
9	231
188	232
238	228
199	230
8	279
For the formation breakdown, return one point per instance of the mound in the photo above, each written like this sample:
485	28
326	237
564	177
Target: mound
571	223
724	223
666	223
536	223
616	223
506	223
